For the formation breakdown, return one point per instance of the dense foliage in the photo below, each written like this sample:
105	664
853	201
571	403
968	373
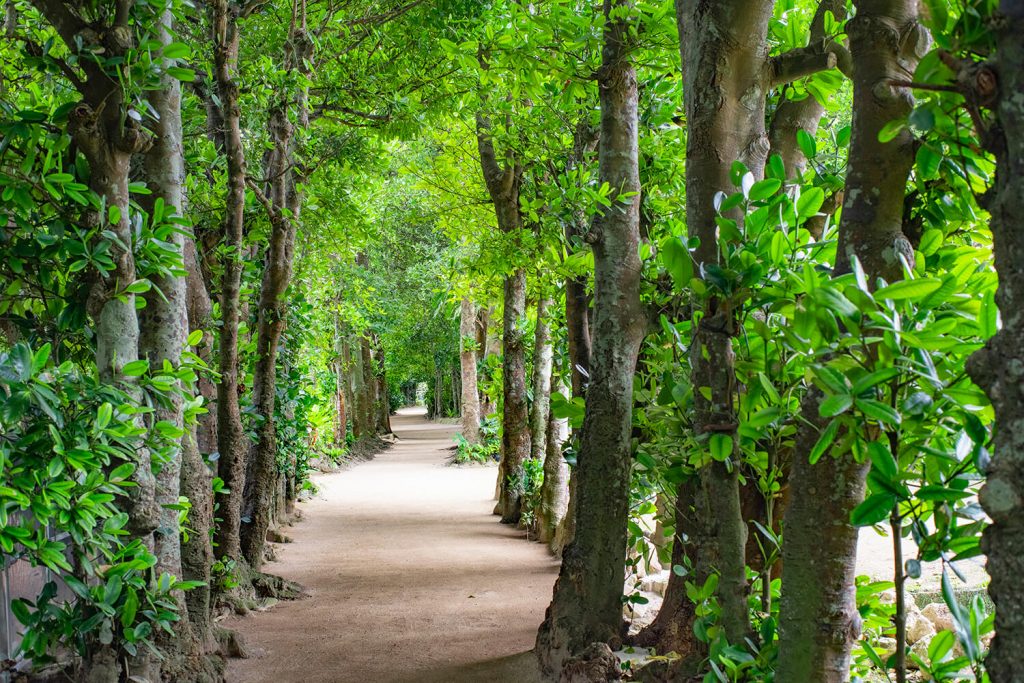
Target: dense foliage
714	285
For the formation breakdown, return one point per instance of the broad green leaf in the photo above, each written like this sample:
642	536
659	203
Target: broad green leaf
909	289
824	441
875	508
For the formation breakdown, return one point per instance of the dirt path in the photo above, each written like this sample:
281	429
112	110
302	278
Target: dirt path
411	578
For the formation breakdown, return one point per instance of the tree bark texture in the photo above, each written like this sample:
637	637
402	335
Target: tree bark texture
468	360
503	182
726	76
818	620
543	355
555	489
283	206
232	443
999	366
586	605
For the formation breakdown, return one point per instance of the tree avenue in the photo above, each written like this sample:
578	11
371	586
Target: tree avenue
722	294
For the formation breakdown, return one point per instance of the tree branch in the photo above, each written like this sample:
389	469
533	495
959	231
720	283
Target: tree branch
800	62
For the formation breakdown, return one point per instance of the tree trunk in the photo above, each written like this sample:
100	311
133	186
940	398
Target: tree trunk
196	478
360	412
231	440
515	433
368	401
587	603
468	360
818	620
999	366
554	494
543	354
723	48
283	207
672	628
480	328
383	412
577	302
165	328
341	418
503	183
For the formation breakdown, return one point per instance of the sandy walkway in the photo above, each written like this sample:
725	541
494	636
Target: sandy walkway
412	579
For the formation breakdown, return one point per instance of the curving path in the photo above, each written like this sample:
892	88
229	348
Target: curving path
412	580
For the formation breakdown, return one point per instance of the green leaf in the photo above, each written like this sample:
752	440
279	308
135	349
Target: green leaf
931	240
835	301
874	509
824	441
807	144
763	189
176	51
873	378
909	289
675	257
885	414
882	460
182	74
136	368
891	130
195	337
835	405
720	446
809	203
935	492
103	415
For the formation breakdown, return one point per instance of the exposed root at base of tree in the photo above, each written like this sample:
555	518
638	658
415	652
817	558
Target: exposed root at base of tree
206	668
231	644
596	663
257	592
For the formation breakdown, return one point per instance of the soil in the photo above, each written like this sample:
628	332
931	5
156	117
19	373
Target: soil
410	576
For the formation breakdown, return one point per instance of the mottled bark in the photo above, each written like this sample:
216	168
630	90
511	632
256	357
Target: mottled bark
165	328
554	495
340	368
196	478
586	605
383	402
999	366
726	76
480	332
543	355
468	359
368	383
819	621
503	182
232	444
284	208
361	423
515	433
164	320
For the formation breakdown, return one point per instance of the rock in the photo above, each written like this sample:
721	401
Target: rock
920	648
655	583
596	663
885	647
887	597
640	616
939	615
919	628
